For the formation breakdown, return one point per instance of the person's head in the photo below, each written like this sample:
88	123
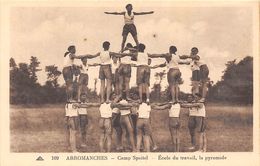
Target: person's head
83	97
129	45
113	96
172	49
106	45
190	98
114	59
129	7
141	47
194	51
84	60
72	49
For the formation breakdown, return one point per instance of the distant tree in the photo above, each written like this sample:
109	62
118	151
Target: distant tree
52	76
157	86
33	68
236	84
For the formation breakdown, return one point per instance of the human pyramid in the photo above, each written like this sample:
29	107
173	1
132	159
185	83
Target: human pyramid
121	112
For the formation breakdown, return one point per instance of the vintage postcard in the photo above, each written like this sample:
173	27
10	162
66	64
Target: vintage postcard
129	82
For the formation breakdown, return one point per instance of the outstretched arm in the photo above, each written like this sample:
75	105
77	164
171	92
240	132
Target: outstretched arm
161	107
89	56
190	105
93	65
157	66
157	55
120	55
143	13
115	13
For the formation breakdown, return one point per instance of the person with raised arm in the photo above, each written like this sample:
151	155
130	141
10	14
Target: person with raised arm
197	122
129	26
173	75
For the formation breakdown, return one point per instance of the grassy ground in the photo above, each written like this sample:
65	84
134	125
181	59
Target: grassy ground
41	129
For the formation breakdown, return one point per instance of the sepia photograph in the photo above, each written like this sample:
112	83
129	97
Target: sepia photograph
131	77
129	82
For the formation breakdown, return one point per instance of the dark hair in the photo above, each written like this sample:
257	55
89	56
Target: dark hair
194	48
70	48
83	94
128	5
106	44
129	45
141	47
172	49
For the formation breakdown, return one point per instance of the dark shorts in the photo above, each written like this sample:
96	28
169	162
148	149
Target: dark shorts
129	28
83	79
126	120
67	74
124	70
173	76
83	120
195	75
174	123
143	125
204	72
105	124
115	120
143	75
197	123
76	70
115	77
73	123
105	72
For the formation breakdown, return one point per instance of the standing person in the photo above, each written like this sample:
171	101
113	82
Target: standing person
126	121
173	74
174	122
71	116
195	78
83	117
124	72
105	72
143	126
105	124
197	122
69	69
129	26
115	75
204	72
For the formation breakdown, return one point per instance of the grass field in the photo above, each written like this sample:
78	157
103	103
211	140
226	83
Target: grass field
41	129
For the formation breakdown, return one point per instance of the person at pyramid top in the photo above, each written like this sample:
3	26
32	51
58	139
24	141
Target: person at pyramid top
129	26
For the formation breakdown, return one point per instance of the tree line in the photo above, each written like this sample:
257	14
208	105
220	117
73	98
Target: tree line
236	84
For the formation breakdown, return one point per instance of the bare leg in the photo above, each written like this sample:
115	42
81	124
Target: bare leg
172	88
136	40
177	92
108	89
102	90
193	138
69	90
73	140
204	142
204	89
79	92
127	81
195	87
119	140
123	42
147	143
139	139
101	142
131	135
109	140
147	92
121	81
177	140
140	86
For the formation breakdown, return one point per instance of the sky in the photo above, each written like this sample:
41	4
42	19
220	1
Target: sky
220	33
